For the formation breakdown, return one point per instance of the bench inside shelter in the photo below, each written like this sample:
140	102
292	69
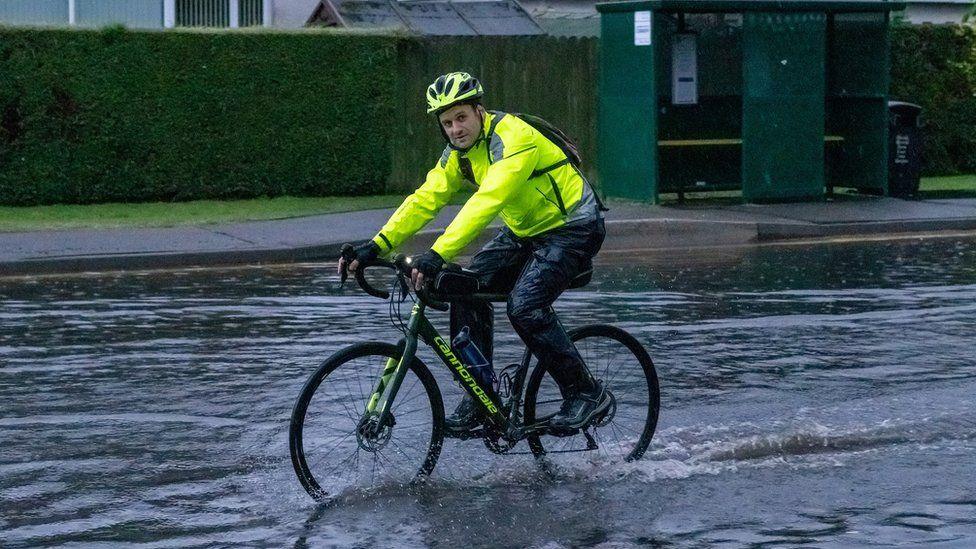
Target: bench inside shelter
781	100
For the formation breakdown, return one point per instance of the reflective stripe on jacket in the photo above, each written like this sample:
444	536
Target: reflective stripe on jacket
510	179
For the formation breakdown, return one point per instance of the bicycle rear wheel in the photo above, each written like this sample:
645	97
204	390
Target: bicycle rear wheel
620	362
332	447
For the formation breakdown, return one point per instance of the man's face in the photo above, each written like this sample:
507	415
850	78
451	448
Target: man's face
462	125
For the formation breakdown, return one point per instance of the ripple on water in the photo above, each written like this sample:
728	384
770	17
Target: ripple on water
827	405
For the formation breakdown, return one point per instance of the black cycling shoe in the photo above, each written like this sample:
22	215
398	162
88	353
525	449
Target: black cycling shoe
576	411
467	416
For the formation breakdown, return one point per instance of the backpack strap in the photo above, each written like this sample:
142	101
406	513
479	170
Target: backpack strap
498	115
491	132
559	164
464	165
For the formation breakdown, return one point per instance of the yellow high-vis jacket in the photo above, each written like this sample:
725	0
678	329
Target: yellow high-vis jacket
516	173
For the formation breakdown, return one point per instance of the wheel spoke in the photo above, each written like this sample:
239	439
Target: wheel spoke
349	413
354	455
334	429
333	448
362	392
399	402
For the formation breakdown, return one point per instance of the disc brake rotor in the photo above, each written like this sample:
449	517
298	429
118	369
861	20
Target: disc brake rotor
371	436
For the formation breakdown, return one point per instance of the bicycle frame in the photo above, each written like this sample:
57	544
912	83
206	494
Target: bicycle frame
505	423
393	373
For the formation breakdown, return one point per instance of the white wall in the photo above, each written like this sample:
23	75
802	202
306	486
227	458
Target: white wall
34	12
936	13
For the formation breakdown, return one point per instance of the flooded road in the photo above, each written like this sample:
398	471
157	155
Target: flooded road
818	394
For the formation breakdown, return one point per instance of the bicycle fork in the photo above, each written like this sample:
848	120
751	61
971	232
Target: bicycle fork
380	402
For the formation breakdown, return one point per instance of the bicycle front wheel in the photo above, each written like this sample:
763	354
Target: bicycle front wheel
620	362
336	446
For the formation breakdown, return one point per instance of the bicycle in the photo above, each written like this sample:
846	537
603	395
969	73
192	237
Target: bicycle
397	428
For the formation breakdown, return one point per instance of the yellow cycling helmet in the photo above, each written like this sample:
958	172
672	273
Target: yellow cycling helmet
451	89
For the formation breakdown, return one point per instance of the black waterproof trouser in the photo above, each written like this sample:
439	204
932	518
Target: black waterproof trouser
533	272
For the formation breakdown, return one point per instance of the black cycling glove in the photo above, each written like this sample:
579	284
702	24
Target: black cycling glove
365	252
430	263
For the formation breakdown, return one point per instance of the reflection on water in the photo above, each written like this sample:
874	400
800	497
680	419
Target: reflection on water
810	394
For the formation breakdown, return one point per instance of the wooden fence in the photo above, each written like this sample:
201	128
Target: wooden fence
547	76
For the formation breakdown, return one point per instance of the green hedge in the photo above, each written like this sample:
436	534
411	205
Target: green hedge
935	66
113	115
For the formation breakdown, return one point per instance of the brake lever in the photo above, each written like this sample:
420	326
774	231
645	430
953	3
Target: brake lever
404	287
400	262
344	254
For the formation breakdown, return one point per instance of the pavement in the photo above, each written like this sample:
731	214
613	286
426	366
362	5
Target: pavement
630	226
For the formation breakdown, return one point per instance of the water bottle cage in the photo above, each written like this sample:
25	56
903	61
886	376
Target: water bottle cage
503	387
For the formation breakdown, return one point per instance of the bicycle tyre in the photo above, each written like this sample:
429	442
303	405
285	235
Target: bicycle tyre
348	412
645	374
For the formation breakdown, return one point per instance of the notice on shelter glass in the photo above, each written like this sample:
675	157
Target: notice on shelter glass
642	28
684	70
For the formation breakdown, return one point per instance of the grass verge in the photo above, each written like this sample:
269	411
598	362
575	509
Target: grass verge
169	214
202	212
951	186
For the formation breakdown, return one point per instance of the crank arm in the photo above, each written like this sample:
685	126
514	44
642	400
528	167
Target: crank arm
590	441
467	435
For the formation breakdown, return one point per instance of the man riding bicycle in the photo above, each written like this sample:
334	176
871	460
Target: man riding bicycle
553	227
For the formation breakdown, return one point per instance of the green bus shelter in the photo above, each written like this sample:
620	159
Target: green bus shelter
779	99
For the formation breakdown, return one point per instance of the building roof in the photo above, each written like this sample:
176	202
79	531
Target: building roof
570	27
738	6
429	17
